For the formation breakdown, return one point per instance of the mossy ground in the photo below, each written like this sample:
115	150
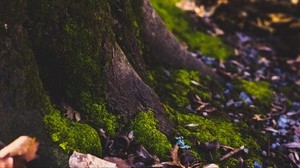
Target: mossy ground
177	21
173	86
72	136
146	132
261	90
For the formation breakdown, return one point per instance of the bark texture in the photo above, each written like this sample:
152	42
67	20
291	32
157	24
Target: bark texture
164	46
23	101
61	49
127	94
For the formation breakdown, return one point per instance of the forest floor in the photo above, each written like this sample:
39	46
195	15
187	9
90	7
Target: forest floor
264	38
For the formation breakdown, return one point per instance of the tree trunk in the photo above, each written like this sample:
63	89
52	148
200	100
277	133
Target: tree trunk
82	53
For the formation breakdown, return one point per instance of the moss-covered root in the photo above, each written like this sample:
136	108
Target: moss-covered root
146	133
71	135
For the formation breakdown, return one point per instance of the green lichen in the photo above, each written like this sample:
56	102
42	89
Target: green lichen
98	114
178	22
72	136
261	90
146	132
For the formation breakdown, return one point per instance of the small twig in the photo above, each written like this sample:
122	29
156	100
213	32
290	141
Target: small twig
228	155
226	147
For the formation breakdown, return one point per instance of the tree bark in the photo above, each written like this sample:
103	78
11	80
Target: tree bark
69	47
164	46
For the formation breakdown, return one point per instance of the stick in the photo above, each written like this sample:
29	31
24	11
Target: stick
232	153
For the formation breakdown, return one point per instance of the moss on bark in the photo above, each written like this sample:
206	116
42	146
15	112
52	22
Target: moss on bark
145	131
179	23
72	136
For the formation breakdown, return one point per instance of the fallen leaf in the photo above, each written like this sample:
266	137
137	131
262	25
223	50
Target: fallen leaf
77	116
280	17
23	147
120	163
174	154
78	160
271	129
293	145
211	166
7	162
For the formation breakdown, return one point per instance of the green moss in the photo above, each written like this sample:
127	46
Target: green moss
98	114
175	88
178	22
210	129
261	90
146	132
72	136
230	162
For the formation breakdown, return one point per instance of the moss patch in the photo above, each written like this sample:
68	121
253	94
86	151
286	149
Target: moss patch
71	135
178	22
261	90
98	114
146	132
212	129
175	86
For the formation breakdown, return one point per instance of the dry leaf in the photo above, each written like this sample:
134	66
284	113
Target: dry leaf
174	154
24	147
293	145
78	160
211	166
120	163
6	162
280	17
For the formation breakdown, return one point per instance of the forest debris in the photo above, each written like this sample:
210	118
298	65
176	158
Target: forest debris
120	163
180	160
180	142
293	145
280	18
271	129
191	125
210	146
88	161
211	166
174	155
256	164
70	112
77	116
21	150
228	155
144	158
245	98
260	117
196	103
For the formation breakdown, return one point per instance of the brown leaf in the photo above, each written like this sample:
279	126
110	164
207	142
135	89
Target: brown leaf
23	147
88	161
120	163
6	162
174	154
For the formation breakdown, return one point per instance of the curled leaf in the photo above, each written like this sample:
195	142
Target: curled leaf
23	147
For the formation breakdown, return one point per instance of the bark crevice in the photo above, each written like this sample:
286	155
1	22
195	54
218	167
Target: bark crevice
128	95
